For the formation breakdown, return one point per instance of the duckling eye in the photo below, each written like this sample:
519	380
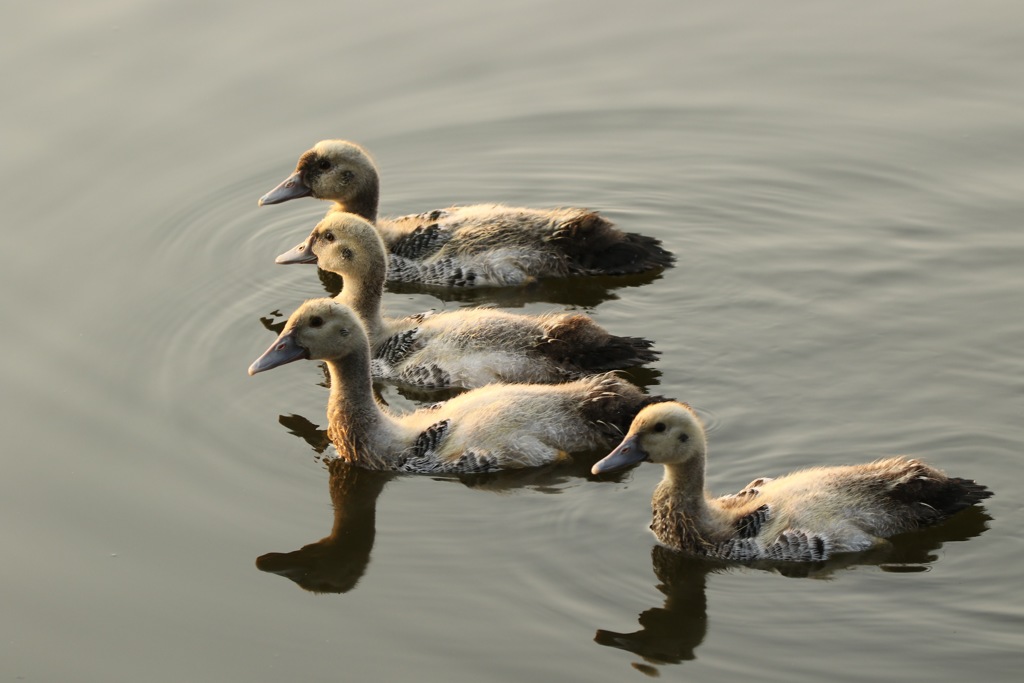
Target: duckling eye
324	164
346	253
316	321
329	236
659	426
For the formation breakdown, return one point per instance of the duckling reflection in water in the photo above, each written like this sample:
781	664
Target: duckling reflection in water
500	426
335	563
484	245
671	633
808	515
467	347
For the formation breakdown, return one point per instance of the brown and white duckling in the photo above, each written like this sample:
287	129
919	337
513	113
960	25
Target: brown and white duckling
807	515
483	245
467	347
500	426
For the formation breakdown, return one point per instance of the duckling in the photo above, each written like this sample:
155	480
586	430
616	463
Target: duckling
465	348
499	426
483	245
808	515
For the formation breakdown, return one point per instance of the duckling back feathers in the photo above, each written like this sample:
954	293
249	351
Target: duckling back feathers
496	245
523	425
473	347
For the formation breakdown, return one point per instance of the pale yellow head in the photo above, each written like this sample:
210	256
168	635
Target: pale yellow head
319	329
336	170
346	244
668	433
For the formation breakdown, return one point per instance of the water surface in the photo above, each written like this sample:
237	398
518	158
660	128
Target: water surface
841	185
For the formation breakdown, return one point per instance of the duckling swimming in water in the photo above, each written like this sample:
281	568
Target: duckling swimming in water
499	426
808	515
483	245
467	347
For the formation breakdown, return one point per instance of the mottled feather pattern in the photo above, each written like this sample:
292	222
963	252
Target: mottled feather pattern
446	272
429	439
422	242
469	462
395	349
797	545
429	375
793	545
673	527
750	524
425	457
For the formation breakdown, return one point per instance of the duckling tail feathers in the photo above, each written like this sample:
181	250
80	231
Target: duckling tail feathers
596	247
576	341
969	492
937	497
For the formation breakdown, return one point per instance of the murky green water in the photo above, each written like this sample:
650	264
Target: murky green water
841	184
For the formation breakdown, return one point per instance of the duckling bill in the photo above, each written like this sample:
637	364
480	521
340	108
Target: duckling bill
808	515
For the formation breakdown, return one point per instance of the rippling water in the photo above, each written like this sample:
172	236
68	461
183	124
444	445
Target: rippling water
841	185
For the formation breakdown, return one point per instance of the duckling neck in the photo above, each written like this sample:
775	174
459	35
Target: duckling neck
359	429
364	203
363	296
685	484
682	516
354	493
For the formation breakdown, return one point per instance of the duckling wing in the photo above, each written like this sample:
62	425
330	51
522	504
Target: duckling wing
421	457
437	271
421	242
425	457
393	351
396	357
792	545
765	532
749	525
397	348
798	545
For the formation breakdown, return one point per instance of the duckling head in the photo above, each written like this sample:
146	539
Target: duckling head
319	329
332	169
341	243
668	433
